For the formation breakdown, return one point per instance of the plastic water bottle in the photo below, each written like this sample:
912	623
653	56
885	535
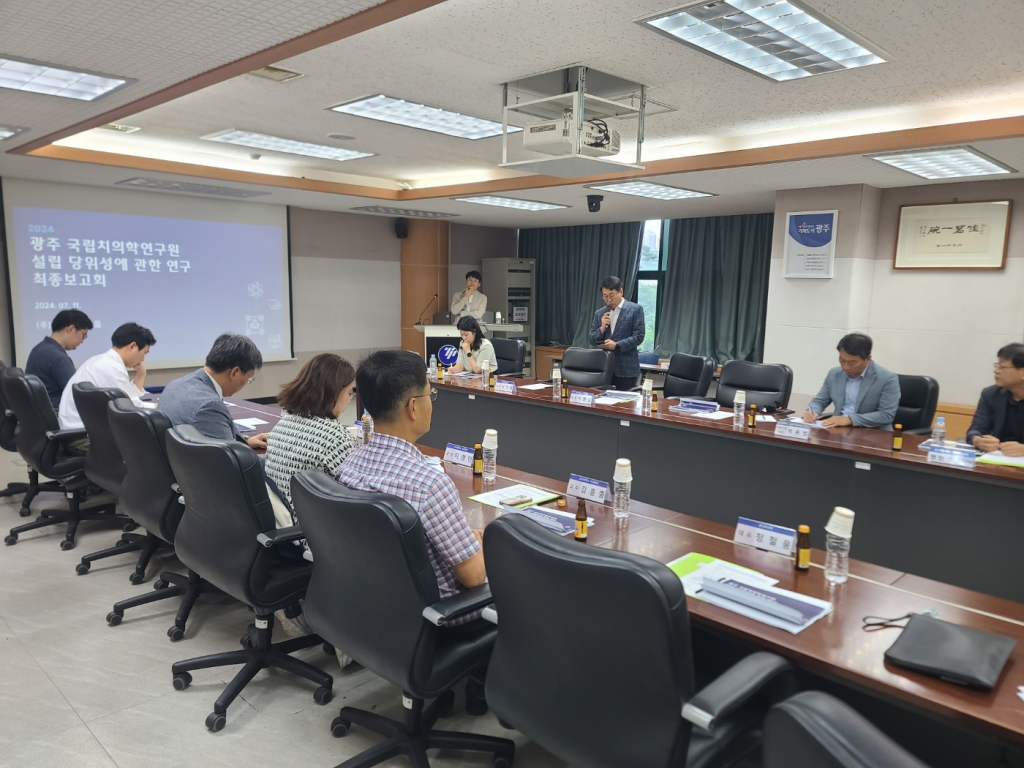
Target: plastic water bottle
838	533
367	427
622	480
556	382
939	432
485	374
490	446
647	394
432	368
739	409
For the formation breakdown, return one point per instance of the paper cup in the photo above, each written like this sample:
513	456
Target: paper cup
490	439
841	522
623	471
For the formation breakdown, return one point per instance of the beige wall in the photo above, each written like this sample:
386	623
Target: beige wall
468	246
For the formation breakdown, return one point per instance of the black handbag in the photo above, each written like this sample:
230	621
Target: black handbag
962	655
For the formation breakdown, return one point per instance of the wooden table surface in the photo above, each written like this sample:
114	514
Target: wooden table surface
836	646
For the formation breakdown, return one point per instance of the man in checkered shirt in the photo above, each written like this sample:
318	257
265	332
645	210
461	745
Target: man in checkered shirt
394	389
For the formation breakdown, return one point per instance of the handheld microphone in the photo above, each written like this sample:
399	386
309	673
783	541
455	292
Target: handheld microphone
432	300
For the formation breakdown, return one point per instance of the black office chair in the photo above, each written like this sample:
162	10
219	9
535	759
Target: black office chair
374	594
583	367
919	397
227	533
148	496
8	442
510	355
593	658
41	444
815	730
768	385
688	376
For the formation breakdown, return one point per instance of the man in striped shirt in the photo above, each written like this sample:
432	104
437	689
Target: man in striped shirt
394	389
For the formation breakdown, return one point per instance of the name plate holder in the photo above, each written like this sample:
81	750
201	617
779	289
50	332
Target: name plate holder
588	488
774	538
581	398
964	457
794	429
505	386
459	454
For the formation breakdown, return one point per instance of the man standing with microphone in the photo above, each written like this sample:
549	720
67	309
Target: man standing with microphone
619	328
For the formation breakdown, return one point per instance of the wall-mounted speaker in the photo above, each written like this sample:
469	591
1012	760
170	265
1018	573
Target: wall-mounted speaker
401	228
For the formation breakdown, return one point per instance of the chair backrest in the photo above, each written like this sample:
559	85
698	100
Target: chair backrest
147	496
919	397
815	730
104	464
371	579
587	367
226	508
8	421
510	354
768	385
689	375
561	606
648	358
27	398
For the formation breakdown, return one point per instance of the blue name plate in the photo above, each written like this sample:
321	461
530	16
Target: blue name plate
952	457
459	454
774	538
795	429
588	488
581	398
505	387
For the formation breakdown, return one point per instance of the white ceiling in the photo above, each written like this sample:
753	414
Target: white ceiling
945	54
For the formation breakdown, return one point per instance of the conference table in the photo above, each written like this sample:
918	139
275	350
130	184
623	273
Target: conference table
963	527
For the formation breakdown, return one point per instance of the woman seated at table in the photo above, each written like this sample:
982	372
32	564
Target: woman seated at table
310	436
475	349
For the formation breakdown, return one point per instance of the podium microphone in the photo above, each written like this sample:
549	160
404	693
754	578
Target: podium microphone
432	300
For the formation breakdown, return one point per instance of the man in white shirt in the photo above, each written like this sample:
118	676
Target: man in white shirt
131	343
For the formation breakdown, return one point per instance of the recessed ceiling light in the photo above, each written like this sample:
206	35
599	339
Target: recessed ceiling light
290	146
414	115
648	189
37	77
403	212
277	74
947	163
510	202
120	128
6	131
781	40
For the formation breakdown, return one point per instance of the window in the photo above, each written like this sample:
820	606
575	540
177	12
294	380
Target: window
651	278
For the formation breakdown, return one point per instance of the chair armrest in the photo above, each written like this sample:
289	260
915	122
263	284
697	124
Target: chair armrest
65	434
457	606
490	613
726	693
919	431
280	536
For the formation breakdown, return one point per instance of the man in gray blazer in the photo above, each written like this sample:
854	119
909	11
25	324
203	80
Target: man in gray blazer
864	393
198	398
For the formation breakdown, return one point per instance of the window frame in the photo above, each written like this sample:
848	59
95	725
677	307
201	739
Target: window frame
657	275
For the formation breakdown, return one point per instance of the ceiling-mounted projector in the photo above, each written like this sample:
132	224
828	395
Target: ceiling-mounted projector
555	137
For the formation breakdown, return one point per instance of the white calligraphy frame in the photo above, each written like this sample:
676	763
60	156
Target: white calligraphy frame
994	258
789	270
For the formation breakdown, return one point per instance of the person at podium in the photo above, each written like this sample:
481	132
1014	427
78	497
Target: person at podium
469	302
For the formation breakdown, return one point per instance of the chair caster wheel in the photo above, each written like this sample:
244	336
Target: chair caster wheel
128	528
501	762
82	568
160	584
340	728
11	539
136	578
67	544
114	618
216	722
475	707
245	641
446	704
121	543
322	695
175	633
181	681
328	649
24	511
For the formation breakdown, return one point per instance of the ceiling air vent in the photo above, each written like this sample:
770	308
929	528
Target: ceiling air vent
189	188
277	74
412	214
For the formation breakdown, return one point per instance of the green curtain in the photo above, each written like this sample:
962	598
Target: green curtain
716	287
571	263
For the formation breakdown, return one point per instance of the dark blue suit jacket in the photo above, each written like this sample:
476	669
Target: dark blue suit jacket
629	334
991	413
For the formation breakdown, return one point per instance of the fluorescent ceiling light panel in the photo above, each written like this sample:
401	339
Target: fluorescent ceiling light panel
410	212
413	115
36	77
647	189
510	202
948	163
290	146
6	131
778	40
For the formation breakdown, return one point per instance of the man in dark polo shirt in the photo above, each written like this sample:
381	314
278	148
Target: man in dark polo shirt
999	421
49	359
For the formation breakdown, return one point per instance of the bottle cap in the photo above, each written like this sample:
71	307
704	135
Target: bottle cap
841	522
804	529
478	446
623	471
490	438
898	426
941	419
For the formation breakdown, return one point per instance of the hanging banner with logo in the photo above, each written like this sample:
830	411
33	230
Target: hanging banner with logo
810	244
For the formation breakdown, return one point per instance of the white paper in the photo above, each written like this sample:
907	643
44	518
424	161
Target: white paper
148	405
811	424
712	415
1006	461
770	419
463	375
720	570
767	618
251	423
536	386
607	401
495	498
